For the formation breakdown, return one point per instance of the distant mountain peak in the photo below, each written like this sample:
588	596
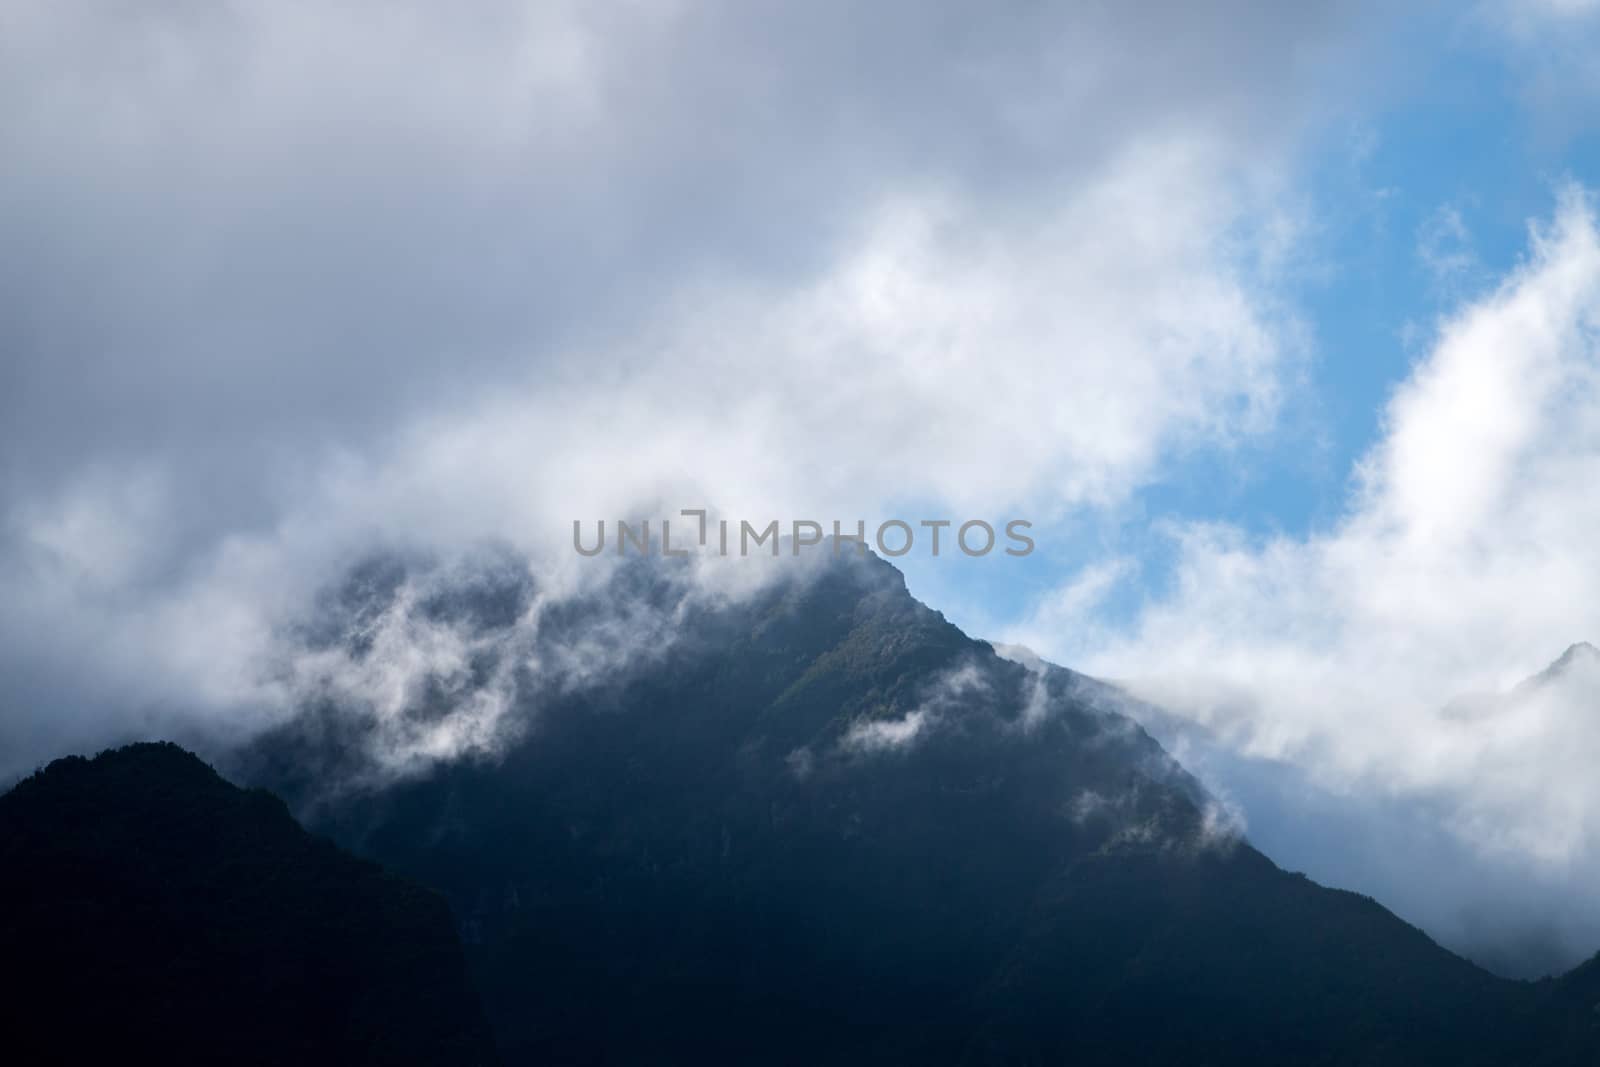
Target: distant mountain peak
1579	655
1581	650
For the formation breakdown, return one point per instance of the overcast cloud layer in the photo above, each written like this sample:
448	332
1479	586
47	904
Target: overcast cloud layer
285	282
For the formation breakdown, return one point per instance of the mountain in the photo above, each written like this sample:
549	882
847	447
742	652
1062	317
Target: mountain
1423	850
812	822
1580	660
150	911
1571	1014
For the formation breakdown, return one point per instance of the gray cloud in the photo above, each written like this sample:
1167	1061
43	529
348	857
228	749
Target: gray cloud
285	284
233	224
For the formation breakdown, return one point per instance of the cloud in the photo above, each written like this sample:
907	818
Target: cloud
287	285
275	220
1444	245
1465	561
1548	46
1525	13
885	734
944	694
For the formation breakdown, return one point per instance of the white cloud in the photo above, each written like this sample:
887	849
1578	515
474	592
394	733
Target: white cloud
877	735
1466	561
1444	245
286	283
943	694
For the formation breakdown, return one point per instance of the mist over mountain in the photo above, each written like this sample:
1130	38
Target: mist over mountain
1416	853
813	820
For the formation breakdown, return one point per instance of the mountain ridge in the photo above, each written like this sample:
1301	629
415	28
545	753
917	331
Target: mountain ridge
824	801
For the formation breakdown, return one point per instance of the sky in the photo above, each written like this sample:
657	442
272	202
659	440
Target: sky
1278	323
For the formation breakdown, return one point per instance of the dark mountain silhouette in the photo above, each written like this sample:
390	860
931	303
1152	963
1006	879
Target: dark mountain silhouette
823	825
151	912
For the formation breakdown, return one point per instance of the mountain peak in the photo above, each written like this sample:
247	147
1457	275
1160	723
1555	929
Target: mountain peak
1579	656
1582	652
